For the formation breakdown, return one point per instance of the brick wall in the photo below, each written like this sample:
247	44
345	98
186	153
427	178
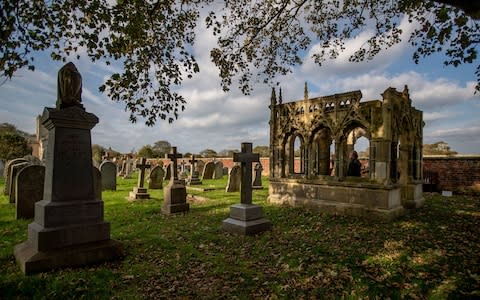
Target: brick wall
456	173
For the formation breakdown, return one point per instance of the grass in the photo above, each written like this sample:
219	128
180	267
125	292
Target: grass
430	253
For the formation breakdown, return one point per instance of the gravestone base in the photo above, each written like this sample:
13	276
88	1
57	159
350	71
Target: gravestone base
138	194
33	261
246	219
194	181
175	198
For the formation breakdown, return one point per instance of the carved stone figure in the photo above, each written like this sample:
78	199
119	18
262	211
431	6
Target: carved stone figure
69	91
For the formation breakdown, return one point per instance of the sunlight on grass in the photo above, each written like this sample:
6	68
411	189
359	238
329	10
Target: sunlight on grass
432	252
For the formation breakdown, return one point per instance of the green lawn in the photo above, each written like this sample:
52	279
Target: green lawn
430	253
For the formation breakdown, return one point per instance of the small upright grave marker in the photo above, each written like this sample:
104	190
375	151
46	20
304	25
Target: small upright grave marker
175	193
194	180
246	218
139	192
109	175
257	179
29	189
155	180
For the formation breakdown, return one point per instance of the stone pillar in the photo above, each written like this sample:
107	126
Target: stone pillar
69	229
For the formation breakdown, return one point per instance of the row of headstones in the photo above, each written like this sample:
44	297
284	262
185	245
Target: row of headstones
158	174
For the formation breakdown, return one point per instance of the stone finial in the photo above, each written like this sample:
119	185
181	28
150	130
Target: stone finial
69	90
305	91
273	98
280	97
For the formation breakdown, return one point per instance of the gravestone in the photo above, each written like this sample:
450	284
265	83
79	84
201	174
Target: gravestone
69	227
128	168
29	190
233	183
139	192
155	180
175	193
246	218
225	171
97	183
168	172
109	175
208	170
200	167
122	166
6	173
257	178
2	167
14	169
194	180
218	173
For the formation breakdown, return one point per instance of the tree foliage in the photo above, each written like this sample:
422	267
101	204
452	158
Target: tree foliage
12	146
264	151
257	40
208	153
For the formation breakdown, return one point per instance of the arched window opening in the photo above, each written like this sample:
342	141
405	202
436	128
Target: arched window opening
298	155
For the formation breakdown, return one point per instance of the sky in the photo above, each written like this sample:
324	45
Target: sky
217	120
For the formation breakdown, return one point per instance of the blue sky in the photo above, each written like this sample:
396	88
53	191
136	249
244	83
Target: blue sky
217	120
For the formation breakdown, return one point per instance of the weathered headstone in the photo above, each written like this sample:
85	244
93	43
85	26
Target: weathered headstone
246	218
2	166
121	167
168	172
225	171
14	169
208	170
128	168
218	173
139	192
155	180
194	180
257	178
69	228
109	175
200	167
29	190
175	193
6	173
233	183
97	183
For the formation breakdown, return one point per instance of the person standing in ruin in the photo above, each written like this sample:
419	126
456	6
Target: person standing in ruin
354	167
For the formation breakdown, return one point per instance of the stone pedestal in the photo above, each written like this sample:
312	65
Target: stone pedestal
138	193
246	219
194	180
175	197
68	229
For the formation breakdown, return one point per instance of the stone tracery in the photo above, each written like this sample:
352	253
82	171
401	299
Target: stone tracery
394	129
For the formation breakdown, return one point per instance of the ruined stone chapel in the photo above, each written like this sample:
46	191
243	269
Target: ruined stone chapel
310	142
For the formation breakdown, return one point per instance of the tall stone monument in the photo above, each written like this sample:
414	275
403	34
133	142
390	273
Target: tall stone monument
68	229
175	193
194	180
139	192
246	218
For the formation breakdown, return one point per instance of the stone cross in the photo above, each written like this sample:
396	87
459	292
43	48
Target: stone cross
173	156
246	158
142	166
193	161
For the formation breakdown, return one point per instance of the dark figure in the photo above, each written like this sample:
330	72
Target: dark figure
354	167
69	87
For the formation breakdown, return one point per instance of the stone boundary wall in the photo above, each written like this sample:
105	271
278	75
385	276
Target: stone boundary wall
459	173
